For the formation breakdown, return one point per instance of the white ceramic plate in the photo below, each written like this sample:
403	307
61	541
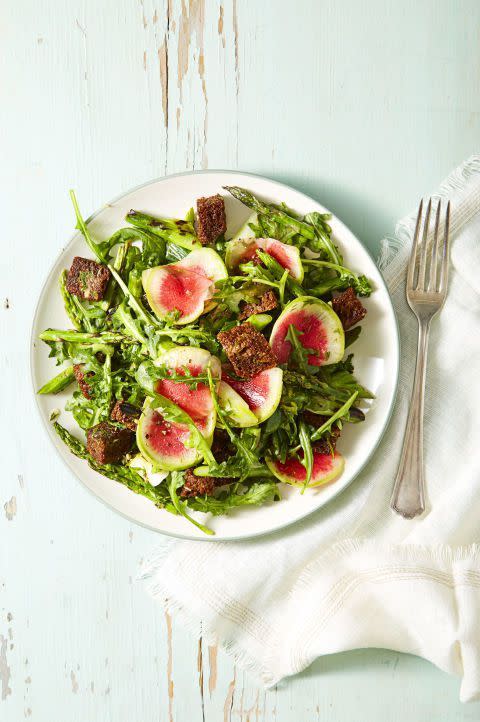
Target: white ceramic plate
376	354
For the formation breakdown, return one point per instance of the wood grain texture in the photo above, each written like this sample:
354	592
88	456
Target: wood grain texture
362	104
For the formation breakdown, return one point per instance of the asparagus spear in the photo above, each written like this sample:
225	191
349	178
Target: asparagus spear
170	229
104	337
317	229
59	382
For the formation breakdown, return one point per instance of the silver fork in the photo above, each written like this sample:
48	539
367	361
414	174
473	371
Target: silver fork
426	292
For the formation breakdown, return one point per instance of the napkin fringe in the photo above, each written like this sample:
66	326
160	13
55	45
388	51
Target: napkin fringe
434	556
186	614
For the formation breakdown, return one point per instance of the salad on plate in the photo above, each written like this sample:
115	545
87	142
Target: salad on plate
208	371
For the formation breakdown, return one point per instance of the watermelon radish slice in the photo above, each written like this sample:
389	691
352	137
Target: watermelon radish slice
197	402
326	468
237	409
164	443
243	250
185	286
245	231
319	329
262	393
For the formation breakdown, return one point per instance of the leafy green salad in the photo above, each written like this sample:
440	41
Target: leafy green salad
206	370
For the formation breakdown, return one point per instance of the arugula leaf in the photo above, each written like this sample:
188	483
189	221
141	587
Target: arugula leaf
306	445
175	481
344	279
257	494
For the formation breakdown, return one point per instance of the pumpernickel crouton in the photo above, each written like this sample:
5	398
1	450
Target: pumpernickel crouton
327	443
87	279
348	308
108	443
247	350
222	448
82	376
211	219
200	485
267	302
126	414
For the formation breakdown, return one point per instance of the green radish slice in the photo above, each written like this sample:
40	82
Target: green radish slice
184	287
243	250
319	329
235	407
262	393
326	468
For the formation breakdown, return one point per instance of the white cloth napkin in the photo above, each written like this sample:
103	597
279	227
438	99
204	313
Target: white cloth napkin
356	575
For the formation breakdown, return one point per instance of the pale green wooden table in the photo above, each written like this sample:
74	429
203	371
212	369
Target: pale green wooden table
364	104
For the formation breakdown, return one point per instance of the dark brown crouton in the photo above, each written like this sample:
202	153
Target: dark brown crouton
200	485
247	350
81	376
348	308
327	443
267	302
108	443
126	414
211	220
87	279
222	447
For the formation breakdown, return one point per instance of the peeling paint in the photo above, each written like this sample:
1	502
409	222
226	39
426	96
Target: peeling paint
28	712
144	59
10	508
227	707
200	674
28	680
74	682
6	304
130	535
212	663
5	674
155	17
9	617
168	620
163	63
221	30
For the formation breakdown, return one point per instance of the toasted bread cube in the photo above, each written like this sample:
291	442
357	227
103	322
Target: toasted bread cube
247	350
211	220
108	443
87	279
126	414
348	308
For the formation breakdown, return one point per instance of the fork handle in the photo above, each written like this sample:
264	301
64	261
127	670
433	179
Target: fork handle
408	492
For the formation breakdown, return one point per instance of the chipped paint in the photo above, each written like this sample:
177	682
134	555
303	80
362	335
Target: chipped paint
163	64
200	674
28	680
20	481
74	682
6	304
227	707
168	620
130	536
192	22
212	664
221	29
9	617
5	673
10	508
144	59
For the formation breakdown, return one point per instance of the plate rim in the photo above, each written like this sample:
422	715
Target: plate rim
186	536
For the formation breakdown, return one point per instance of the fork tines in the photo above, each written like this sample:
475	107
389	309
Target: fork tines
428	265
